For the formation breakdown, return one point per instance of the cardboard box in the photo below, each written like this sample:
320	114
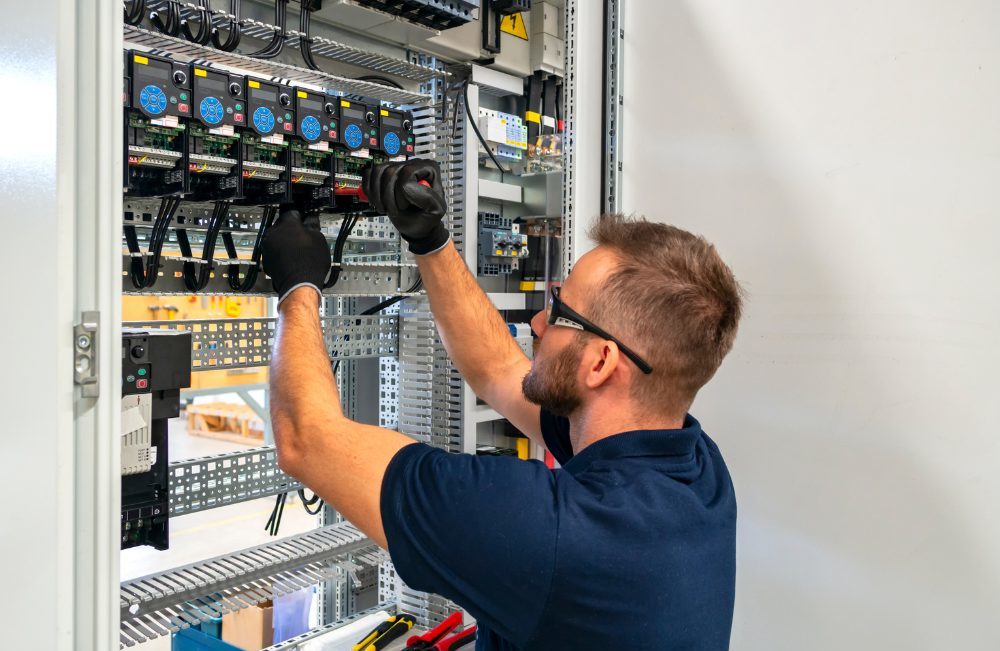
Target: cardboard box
250	629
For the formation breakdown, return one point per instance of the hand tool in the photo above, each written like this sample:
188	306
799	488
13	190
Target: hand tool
384	633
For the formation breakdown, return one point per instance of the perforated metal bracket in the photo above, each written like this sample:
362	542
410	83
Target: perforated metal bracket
210	482
85	363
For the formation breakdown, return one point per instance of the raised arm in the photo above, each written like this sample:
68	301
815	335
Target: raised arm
341	460
474	333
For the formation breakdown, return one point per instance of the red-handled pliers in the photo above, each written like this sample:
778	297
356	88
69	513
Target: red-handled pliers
437	639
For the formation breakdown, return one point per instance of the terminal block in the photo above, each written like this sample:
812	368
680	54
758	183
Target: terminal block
156	365
501	245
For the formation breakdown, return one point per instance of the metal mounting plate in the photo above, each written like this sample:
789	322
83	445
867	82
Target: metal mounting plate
219	480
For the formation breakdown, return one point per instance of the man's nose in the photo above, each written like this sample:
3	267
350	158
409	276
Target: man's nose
539	323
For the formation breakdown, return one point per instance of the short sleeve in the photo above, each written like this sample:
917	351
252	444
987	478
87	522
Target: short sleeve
478	530
555	432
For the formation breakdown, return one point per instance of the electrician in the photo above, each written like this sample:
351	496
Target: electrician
631	544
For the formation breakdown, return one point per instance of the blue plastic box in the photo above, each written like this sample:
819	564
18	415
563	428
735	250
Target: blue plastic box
191	639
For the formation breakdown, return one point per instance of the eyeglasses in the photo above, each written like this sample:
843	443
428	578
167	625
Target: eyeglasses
561	314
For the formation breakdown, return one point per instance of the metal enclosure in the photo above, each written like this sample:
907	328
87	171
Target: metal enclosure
64	210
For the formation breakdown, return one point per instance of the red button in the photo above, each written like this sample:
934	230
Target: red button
372	141
238	117
409	148
288	126
141	383
333	134
183	108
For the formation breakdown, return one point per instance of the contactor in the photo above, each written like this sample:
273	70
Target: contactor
501	245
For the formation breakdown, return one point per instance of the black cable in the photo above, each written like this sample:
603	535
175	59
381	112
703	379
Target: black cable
475	127
274	522
235	30
346	226
233	273
306	503
135	10
170	25
378	79
305	40
204	33
144	274
273	48
196	275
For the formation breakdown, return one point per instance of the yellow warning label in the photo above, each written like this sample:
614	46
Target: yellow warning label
141	59
514	25
253	84
384	113
199	72
302	94
345	103
531	116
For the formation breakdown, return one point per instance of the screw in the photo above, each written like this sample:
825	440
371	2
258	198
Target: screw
83	342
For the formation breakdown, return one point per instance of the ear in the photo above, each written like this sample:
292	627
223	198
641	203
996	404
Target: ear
601	363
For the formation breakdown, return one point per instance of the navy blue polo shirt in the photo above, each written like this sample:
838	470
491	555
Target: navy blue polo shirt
630	545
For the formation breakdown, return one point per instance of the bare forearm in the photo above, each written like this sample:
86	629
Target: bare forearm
471	328
342	461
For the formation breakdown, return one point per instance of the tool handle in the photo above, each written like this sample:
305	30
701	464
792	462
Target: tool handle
426	640
389	630
458	640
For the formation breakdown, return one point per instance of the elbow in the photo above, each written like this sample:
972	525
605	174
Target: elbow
289	460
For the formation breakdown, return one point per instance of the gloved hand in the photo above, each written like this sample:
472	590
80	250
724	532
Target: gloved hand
295	253
415	209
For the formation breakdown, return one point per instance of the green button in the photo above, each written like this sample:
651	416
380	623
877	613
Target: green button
333	125
141	372
288	116
239	107
409	139
184	97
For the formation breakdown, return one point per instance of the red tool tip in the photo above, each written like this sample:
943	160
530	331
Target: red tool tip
424	183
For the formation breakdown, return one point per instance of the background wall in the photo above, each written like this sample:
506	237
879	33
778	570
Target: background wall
845	158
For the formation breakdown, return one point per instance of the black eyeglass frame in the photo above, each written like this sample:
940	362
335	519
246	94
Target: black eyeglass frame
563	315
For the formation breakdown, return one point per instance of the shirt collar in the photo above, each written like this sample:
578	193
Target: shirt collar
640	443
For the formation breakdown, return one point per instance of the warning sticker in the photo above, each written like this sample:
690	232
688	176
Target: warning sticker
514	25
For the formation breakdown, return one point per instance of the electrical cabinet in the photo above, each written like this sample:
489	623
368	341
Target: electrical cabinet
218	117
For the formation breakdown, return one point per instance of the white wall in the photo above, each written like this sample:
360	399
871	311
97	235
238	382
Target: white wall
845	158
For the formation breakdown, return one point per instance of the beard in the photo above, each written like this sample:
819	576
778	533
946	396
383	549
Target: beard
551	383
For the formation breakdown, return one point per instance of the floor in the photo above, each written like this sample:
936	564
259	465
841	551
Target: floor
199	536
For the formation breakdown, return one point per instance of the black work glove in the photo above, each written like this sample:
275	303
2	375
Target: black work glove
295	253
416	210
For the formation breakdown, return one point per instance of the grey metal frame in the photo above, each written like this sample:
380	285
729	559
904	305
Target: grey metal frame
614	67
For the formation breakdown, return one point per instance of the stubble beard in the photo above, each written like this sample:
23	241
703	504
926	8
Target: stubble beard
551	383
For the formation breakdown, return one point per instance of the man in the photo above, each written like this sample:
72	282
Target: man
631	544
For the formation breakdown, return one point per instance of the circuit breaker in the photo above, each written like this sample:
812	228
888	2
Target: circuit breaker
501	245
507	134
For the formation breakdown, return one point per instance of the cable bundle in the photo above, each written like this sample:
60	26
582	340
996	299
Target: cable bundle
273	48
250	279
196	275
142	274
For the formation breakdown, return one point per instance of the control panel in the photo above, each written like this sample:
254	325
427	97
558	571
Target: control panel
266	160
358	126
317	117
501	245
218	98
161	88
156	365
395	133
